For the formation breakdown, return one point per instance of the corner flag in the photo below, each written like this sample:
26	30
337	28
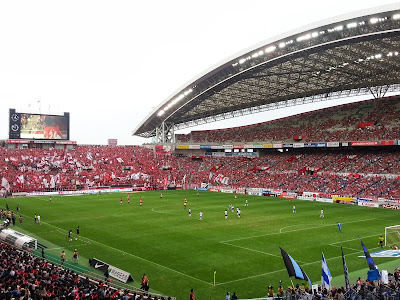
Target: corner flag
326	276
215	272
293	268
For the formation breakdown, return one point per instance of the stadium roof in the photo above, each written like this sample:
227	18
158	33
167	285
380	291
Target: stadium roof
352	54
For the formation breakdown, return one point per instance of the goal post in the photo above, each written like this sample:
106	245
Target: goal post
392	236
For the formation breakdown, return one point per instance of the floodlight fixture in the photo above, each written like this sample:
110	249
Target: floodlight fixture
374	20
270	49
396	16
303	37
352	25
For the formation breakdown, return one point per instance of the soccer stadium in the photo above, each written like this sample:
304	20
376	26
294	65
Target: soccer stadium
299	207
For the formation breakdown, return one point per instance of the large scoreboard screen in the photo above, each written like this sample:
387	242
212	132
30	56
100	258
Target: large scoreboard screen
38	126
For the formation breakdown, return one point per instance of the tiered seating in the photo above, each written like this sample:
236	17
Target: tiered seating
334	172
339	123
86	166
353	173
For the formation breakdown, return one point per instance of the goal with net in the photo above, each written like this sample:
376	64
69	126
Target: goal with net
392	236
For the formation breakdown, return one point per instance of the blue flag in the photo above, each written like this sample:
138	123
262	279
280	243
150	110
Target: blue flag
346	271
293	268
326	276
371	264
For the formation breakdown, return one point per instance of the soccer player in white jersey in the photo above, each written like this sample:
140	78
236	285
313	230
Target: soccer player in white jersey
294	209
201	215
226	214
321	215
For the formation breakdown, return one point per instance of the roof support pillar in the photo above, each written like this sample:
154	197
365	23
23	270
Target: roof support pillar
165	133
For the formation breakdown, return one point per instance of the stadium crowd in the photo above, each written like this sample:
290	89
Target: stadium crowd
24	276
363	173
366	121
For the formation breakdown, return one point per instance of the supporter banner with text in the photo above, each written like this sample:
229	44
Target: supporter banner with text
298	145
326	200
162	149
309	145
320	144
333	144
194	147
365	143
390	206
387	143
277	146
367	203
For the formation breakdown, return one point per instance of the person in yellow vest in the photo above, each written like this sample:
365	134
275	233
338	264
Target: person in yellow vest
62	257
381	239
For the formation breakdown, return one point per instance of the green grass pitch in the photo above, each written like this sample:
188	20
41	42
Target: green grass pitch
178	252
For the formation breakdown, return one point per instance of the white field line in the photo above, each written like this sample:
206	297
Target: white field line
343	247
135	256
352	239
266	253
272	272
294	230
223	283
64	247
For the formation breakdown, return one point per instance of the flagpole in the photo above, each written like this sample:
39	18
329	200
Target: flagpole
291	281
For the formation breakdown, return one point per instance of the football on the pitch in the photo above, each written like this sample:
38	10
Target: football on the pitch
76	239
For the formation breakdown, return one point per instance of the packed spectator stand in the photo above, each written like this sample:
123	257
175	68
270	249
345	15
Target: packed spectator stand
25	276
361	172
375	119
349	172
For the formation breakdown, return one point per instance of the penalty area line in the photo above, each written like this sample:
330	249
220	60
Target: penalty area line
281	270
249	249
294	230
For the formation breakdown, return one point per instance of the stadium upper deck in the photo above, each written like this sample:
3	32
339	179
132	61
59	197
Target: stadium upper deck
348	55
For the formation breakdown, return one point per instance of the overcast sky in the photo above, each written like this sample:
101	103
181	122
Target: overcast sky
109	63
